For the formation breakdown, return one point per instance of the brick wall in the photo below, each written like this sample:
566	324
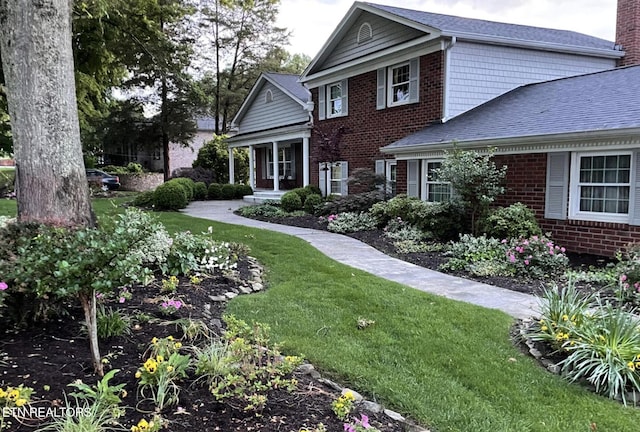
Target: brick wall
628	31
526	182
367	129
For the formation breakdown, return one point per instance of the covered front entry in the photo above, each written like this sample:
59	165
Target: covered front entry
278	162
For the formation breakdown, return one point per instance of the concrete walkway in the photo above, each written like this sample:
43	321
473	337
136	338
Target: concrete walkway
356	254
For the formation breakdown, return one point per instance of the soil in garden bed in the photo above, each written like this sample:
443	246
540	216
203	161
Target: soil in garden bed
49	357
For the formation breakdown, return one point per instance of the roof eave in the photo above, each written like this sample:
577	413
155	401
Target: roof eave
559	138
545	46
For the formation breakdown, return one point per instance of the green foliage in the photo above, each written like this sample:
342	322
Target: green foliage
111	323
481	256
102	395
351	222
199	253
228	191
7	181
398	229
513	222
144	199
350	203
476	180
245	365
536	257
130	168
200	191
343	405
214	156
601	341
187	184
302	193
215	191
291	201
261	210
170	196
312	202
313	189
240	190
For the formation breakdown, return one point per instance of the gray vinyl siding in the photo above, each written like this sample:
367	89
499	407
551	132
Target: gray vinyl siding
478	72
282	111
385	33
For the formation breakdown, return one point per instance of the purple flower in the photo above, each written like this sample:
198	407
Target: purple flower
364	422
349	428
512	258
3	286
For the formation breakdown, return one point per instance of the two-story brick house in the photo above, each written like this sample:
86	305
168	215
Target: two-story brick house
400	83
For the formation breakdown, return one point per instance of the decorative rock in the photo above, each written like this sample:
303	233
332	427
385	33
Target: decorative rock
257	287
315	375
535	353
230	295
554	368
216	323
330	383
305	368
394	415
218	298
371	407
245	290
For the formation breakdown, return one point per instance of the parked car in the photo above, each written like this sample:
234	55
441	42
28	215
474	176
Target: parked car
103	179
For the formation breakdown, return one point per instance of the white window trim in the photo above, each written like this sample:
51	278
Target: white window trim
330	114
427	183
390	91
390	164
282	167
574	190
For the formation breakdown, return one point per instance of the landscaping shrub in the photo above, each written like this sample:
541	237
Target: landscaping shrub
170	196
481	256
312	202
228	191
350	203
302	193
200	191
398	229
198	174
351	222
198	253
246	190
262	210
291	202
215	191
7	181
600	340
515	221
188	185
240	190
536	257
313	189
144	199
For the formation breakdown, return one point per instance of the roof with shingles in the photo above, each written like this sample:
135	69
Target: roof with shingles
453	25
601	101
291	83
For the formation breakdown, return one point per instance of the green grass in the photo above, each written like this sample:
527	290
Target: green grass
446	364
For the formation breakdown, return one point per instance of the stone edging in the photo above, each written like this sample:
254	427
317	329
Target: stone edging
256	284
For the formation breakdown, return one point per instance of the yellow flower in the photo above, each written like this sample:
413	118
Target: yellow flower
21	402
565	317
177	345
544	328
3	393
631	366
13	394
170	338
138	375
160	358
143	425
638	365
169	368
154	340
151	366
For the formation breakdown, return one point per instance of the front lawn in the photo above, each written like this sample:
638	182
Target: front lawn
449	365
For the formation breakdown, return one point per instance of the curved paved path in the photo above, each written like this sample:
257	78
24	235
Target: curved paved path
364	257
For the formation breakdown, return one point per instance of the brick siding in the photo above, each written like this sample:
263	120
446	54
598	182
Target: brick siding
366	129
628	31
526	182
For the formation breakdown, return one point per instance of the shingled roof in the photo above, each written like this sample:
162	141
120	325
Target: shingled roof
458	26
597	102
291	84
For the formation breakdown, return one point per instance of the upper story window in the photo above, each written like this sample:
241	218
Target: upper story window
398	84
333	100
600	186
334	97
268	97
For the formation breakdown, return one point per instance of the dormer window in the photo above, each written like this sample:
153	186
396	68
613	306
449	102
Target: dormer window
268	97
365	33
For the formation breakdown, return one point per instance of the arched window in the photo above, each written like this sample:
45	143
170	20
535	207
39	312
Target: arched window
268	97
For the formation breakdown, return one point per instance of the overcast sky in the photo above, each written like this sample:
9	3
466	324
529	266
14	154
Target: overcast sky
312	21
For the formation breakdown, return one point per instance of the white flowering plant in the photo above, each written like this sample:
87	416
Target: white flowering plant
199	253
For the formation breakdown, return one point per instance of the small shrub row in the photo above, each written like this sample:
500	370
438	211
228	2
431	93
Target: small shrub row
217	191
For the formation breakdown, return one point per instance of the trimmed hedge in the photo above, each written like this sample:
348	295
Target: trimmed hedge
312	202
170	196
291	201
188	185
228	191
200	191
215	191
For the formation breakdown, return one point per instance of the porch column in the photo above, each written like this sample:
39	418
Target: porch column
252	174
305	161
276	167
231	167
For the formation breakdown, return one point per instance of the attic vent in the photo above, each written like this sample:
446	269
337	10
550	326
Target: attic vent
365	33
268	97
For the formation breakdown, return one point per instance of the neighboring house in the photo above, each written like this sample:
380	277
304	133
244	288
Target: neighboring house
404	85
183	157
275	119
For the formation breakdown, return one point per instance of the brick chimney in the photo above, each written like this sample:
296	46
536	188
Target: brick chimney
628	31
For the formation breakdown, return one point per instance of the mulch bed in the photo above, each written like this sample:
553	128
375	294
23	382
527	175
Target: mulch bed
48	357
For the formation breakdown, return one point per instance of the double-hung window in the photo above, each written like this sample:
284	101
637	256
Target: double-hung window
285	162
436	190
333	100
398	84
600	186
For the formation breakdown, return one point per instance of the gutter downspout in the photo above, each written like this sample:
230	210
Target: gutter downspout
447	66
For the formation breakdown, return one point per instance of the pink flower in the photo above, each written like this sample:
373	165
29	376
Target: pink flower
121	299
526	262
563	250
349	428
3	286
512	258
364	422
526	242
551	252
504	241
623	278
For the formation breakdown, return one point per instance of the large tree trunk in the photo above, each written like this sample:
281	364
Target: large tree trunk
35	40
